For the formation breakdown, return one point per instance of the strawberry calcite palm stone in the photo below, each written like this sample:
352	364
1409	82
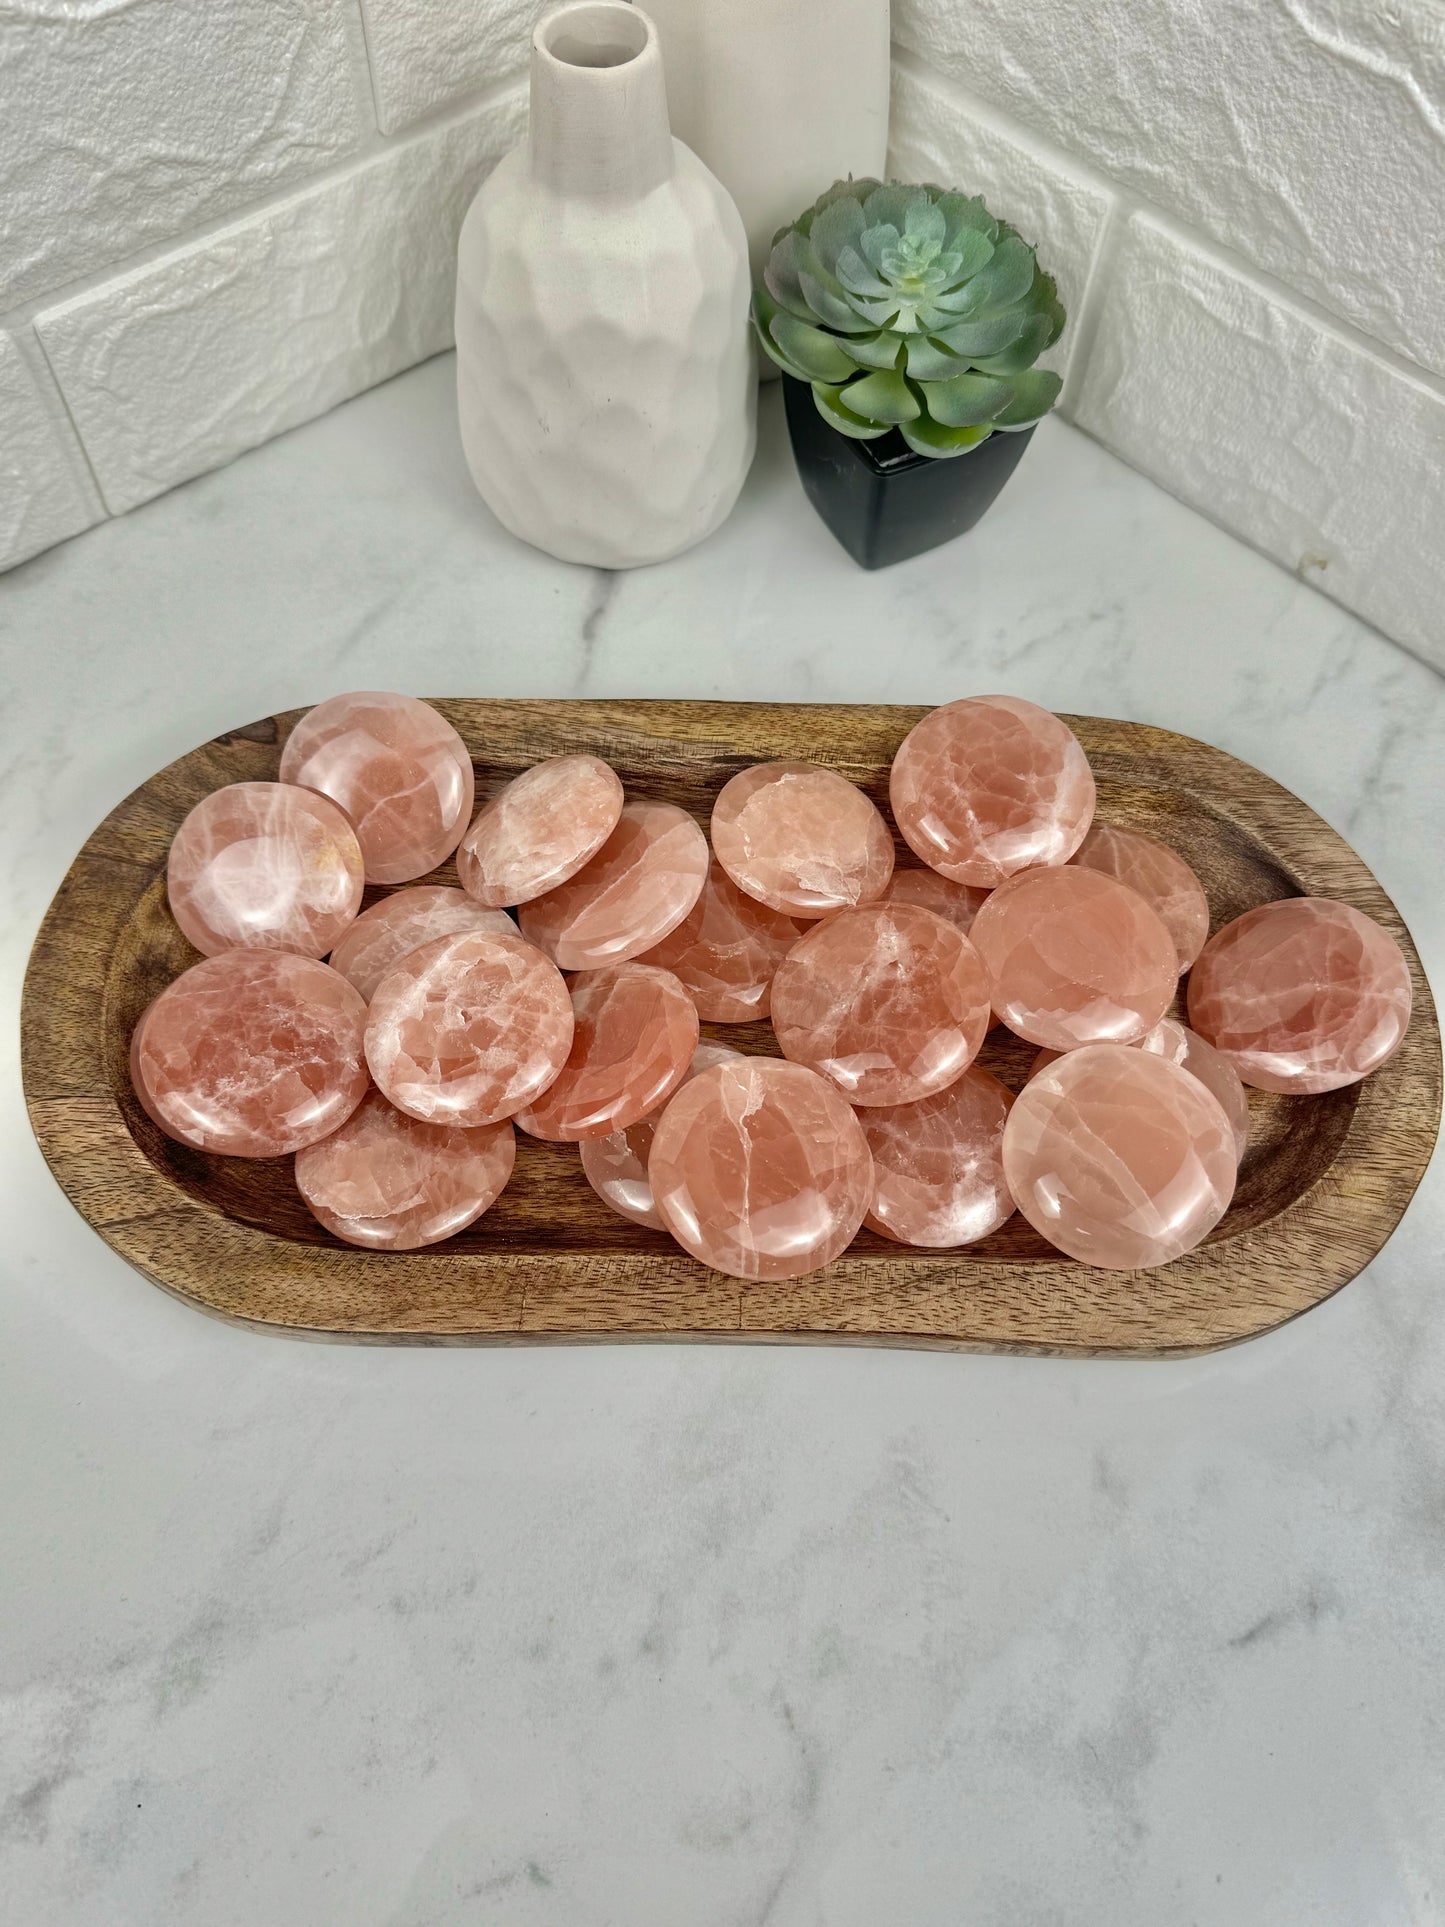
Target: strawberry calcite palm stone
398	769
636	1031
1304	995
1159	874
726	951
1118	1157
1075	958
639	887
391	929
469	1030
1188	1050
888	1002
989	786
539	830
616	1165
960	903
801	839
938	1164
264	866
251	1054
390	1183
760	1169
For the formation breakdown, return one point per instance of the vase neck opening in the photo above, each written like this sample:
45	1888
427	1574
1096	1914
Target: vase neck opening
599	122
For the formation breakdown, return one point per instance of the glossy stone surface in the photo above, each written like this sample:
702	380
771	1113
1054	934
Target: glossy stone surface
888	1002
403	922
1118	1157
931	890
760	1169
1303	995
469	1029
391	1183
616	1165
636	1031
264	866
539	830
1191	1053
726	951
1159	874
938	1164
253	1054
397	768
1075	958
989	786
639	886
801	839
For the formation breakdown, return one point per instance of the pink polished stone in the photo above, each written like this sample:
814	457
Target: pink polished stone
1075	958
938	1165
760	1169
960	903
636	1031
726	951
469	1029
397	768
989	786
540	830
889	1002
616	1165
1119	1157
801	839
381	936
1159	874
252	1054
1303	995
1188	1050
388	1182
264	866
639	886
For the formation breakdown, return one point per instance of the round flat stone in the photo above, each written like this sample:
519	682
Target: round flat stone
639	886
888	1002
760	1169
1075	958
938	1164
264	866
469	1029
1160	875
636	1031
801	839
1304	995
1188	1050
391	1183
1118	1157
616	1165
989	786
539	830
253	1054
960	903
726	951
397	768
391	929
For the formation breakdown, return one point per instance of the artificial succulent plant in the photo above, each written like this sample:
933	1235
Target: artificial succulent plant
910	308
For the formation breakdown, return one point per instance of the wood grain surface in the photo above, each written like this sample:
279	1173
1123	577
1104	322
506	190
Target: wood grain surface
1323	1183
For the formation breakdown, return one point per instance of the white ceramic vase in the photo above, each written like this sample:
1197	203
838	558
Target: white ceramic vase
604	368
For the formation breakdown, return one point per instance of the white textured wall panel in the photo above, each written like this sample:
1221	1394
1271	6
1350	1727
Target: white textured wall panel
42	498
426	52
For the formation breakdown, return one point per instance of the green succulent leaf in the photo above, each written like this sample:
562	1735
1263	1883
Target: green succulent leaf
1008	276
928	360
765	311
820	356
926	437
834	307
889	203
1035	335
1034	392
837	225
964	213
879	351
882	397
986	335
966	400
830	405
857	275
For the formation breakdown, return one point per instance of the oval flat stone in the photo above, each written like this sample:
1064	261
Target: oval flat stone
252	1054
264	866
760	1169
959	903
1303	995
397	768
1186	1048
636	1031
1159	874
539	830
616	1165
469	1029
391	1183
938	1164
1075	958
1118	1157
391	929
989	786
801	839
888	1002
639	886
726	951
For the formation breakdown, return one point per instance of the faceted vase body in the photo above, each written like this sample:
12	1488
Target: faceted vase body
604	369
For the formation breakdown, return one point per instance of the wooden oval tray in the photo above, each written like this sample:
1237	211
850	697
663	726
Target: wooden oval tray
1322	1186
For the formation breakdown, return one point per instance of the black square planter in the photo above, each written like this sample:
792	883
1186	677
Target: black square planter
883	502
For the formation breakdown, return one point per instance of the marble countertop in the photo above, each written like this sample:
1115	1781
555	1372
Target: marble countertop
670	1636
